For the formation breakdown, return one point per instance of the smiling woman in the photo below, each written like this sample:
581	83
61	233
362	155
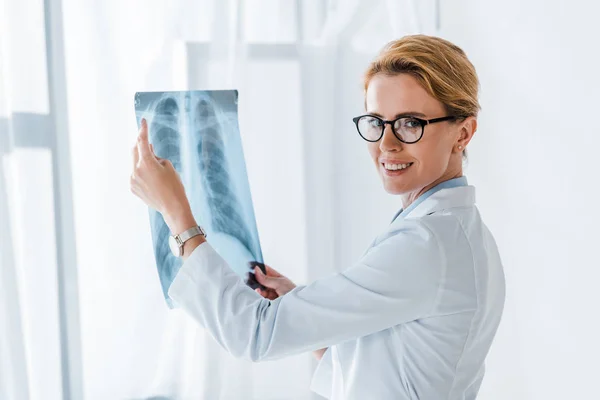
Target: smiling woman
417	82
415	316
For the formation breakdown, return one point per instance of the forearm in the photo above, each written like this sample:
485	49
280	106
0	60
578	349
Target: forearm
191	244
181	223
319	353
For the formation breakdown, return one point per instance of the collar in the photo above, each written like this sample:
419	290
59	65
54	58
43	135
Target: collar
448	194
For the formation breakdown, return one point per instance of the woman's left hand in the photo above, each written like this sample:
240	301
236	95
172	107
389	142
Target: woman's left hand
275	284
157	183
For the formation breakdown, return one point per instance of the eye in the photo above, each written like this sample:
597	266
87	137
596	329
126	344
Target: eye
373	122
410	123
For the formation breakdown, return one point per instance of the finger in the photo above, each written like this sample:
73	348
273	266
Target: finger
271	271
253	264
136	156
152	151
142	143
262	278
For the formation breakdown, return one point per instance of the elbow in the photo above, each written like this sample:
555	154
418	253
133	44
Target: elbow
257	350
245	357
250	353
246	353
262	341
257	354
250	349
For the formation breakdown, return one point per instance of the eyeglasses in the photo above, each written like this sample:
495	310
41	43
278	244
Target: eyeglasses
407	129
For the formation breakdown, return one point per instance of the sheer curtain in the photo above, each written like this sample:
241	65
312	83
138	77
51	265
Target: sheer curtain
81	311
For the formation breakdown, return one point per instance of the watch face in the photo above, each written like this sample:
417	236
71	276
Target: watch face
174	246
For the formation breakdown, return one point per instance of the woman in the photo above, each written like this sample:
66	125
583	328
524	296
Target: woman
415	317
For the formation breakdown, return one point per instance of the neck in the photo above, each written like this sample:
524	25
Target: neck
409	197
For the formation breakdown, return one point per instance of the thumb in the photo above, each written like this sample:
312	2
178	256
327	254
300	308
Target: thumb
268	281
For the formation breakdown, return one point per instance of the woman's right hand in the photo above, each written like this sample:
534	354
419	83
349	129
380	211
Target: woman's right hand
276	284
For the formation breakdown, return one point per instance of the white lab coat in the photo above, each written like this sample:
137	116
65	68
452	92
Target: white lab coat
414	318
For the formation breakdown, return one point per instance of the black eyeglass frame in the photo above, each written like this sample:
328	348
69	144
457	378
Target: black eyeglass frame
422	121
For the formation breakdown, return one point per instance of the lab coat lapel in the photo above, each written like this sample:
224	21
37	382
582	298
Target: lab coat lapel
461	196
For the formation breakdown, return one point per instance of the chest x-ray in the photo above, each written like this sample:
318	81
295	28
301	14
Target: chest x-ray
198	132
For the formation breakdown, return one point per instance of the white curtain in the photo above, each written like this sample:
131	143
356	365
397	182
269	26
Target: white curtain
81	310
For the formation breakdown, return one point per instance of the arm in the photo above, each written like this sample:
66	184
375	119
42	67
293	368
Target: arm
396	282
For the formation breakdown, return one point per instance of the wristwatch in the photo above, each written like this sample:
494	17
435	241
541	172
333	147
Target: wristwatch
176	241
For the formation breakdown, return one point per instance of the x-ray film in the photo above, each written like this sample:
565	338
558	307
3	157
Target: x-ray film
198	132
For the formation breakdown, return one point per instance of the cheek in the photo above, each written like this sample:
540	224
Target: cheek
431	154
374	151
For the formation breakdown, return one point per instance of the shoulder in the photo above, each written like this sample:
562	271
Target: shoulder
417	234
411	246
452	230
426	245
407	265
408	232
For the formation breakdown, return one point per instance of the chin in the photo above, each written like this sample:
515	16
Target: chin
394	191
397	185
394	187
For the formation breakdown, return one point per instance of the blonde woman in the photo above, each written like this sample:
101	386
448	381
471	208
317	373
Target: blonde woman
415	316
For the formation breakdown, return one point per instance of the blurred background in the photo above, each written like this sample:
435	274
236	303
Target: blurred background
81	309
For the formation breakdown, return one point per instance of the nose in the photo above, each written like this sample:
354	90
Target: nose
389	141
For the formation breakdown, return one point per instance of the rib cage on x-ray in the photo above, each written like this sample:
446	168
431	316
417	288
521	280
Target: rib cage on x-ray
214	172
198	132
166	140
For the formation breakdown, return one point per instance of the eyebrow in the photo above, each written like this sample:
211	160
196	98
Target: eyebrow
404	114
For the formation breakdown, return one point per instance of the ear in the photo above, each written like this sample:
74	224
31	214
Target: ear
467	129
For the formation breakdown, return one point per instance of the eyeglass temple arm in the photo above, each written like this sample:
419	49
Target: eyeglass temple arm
446	118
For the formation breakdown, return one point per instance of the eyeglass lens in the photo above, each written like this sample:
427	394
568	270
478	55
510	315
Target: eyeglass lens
408	129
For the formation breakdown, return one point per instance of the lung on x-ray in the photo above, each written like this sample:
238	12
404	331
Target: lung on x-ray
198	132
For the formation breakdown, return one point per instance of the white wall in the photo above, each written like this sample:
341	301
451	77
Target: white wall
533	162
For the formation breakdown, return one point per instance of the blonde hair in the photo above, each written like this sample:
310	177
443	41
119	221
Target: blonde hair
441	67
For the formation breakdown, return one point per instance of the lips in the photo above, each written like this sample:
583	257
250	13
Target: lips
391	161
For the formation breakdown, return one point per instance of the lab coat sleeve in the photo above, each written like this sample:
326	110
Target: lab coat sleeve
396	281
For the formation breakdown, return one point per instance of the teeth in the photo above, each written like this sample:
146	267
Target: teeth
393	167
